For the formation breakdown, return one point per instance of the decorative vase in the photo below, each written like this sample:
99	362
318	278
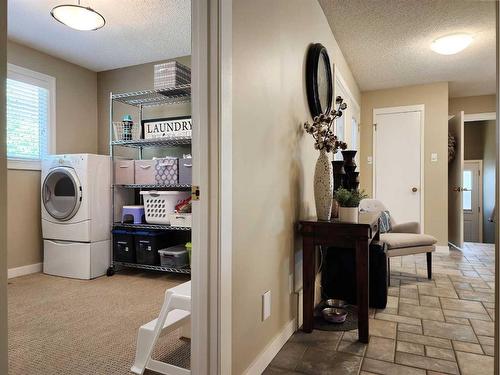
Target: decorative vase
349	214
349	162
350	167
323	186
338	174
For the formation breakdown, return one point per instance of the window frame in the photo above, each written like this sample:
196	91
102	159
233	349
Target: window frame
352	111
32	77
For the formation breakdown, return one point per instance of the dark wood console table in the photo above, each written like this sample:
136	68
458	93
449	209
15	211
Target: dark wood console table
334	233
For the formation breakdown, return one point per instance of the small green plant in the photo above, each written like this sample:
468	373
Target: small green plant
349	198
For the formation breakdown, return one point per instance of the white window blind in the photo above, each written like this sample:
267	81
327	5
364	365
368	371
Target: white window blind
27	120
30	117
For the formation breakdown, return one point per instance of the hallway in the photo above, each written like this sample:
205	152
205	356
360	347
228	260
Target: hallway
444	325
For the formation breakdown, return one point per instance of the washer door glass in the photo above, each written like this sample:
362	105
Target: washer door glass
61	193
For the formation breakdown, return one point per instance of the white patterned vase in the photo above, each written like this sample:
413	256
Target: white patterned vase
323	186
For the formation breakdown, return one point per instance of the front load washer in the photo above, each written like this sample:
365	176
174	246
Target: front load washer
76	221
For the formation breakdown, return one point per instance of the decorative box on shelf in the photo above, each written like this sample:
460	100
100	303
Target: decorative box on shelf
171	74
181	220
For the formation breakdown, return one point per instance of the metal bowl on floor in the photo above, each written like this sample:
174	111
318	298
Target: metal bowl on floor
336	303
334	315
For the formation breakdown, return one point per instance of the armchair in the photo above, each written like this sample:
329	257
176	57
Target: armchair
404	238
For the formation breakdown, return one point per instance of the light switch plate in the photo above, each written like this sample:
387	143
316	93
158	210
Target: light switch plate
370	160
434	157
266	305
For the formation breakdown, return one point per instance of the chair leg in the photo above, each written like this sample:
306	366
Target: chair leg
388	271
429	266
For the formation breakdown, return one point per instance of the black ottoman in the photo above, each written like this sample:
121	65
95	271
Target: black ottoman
338	277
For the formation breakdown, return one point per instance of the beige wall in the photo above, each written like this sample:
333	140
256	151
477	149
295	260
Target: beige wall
76	132
274	160
472	104
133	78
435	98
3	192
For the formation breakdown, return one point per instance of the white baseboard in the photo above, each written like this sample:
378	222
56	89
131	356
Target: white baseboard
24	270
266	356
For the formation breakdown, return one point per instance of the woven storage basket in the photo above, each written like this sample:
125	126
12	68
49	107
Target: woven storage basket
126	132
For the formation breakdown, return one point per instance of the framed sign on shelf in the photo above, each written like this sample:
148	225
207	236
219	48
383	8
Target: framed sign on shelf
172	127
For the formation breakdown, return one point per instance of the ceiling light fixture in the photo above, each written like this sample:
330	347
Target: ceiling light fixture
78	17
451	44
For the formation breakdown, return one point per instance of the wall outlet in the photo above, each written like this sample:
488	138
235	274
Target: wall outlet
370	159
266	305
434	157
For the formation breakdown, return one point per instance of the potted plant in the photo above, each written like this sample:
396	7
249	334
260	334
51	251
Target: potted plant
325	141
349	204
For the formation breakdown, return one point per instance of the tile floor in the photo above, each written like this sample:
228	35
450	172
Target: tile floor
429	327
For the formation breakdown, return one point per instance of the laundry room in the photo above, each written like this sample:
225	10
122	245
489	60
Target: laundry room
99	186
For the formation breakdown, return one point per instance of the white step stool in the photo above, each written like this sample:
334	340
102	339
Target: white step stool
175	313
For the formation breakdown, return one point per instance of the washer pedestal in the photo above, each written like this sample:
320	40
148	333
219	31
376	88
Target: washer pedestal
78	260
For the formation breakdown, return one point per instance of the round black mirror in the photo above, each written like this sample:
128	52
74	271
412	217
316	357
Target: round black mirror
318	80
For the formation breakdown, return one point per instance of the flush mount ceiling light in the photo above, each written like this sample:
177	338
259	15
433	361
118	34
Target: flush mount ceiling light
451	44
78	17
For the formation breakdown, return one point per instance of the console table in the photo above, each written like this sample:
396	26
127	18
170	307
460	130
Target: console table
357	236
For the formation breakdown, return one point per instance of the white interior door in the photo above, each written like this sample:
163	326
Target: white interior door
471	200
398	161
455	183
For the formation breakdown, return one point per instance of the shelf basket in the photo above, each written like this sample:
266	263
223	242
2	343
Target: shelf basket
126	132
158	205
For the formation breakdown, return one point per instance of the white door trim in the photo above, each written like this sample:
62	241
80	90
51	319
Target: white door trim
212	172
226	188
340	79
480	198
480	116
200	275
403	109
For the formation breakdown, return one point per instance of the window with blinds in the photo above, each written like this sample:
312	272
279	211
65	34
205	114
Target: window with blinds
27	120
29	116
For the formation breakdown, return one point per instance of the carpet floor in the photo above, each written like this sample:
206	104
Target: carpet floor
63	326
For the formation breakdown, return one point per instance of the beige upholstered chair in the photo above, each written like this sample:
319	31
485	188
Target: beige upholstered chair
404	238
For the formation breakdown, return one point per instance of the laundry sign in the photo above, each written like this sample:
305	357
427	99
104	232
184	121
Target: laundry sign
167	128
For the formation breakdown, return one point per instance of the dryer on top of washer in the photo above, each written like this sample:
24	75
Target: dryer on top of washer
76	197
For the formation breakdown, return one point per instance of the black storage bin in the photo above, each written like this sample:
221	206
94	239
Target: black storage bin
123	246
147	245
338	279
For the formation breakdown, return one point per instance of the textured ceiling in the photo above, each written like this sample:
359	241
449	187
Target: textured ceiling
136	31
387	42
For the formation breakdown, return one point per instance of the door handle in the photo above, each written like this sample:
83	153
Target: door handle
457	189
414	189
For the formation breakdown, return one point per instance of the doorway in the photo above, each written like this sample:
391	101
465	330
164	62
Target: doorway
472	200
398	165
472	161
140	75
